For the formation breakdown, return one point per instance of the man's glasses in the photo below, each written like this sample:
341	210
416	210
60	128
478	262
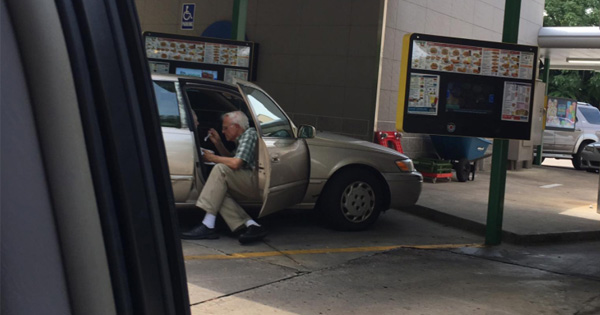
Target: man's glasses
225	127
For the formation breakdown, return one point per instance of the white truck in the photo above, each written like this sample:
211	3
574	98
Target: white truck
569	144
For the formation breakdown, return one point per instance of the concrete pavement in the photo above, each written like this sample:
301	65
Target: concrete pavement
542	204
417	282
433	269
408	264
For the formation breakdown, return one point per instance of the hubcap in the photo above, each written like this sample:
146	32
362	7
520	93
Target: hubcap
358	201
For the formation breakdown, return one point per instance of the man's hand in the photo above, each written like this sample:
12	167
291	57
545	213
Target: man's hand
214	136
232	162
208	156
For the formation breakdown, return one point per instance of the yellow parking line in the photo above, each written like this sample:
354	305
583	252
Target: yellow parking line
324	251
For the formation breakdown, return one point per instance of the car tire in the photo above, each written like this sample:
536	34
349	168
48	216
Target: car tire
463	168
352	200
577	156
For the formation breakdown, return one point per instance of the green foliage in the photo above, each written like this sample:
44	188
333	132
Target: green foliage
572	13
583	86
565	84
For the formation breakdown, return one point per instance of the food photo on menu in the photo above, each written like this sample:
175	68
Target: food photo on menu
446	57
471	60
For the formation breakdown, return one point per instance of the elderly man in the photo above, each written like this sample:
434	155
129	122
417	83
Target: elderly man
233	177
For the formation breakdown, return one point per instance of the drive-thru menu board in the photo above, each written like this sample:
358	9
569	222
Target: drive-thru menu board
424	94
472	60
515	103
465	87
214	58
561	113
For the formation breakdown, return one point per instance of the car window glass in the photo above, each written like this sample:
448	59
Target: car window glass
592	115
168	107
273	123
214	100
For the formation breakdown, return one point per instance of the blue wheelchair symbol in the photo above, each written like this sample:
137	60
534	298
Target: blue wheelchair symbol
187	16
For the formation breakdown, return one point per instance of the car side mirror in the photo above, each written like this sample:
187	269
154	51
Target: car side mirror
307	132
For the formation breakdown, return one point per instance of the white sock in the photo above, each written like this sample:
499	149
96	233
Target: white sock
251	222
209	220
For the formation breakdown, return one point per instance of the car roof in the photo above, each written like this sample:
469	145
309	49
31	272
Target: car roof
175	77
584	104
169	77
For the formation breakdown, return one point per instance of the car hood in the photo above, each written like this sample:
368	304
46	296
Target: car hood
329	139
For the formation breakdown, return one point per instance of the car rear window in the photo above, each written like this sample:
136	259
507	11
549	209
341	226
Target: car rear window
168	107
591	114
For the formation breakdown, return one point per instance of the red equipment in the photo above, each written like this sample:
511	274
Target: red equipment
390	139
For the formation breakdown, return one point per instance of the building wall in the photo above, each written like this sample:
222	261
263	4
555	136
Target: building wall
319	59
325	62
472	19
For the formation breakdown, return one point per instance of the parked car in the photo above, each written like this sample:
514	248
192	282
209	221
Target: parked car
590	157
569	144
351	181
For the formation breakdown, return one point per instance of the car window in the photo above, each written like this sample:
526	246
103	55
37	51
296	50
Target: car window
592	115
214	100
273	123
168	107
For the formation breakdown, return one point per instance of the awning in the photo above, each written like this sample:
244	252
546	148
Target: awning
574	48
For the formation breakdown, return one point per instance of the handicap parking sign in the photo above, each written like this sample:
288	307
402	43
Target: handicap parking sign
187	16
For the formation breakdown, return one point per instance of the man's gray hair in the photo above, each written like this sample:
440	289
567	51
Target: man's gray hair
239	118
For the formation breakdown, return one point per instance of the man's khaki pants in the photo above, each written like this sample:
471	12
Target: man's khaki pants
223	186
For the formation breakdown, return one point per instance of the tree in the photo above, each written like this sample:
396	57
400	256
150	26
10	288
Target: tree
572	13
583	86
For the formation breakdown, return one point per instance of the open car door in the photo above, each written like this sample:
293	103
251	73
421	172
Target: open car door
283	159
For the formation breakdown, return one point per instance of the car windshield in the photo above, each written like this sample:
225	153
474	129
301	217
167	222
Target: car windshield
592	115
168	107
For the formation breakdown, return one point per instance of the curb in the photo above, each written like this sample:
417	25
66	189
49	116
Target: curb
507	236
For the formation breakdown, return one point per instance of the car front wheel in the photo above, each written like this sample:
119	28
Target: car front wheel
577	156
352	200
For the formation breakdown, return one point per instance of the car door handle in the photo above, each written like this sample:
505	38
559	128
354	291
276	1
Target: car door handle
275	158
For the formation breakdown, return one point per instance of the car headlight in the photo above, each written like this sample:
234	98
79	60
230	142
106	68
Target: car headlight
405	165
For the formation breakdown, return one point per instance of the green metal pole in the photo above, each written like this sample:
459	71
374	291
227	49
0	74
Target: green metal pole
493	231
240	12
546	74
545	79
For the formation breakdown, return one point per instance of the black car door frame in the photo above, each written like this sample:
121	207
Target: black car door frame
124	145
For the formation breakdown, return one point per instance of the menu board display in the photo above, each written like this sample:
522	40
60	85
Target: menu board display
230	74
472	97
424	94
446	57
206	57
561	114
206	74
193	51
159	67
463	87
515	105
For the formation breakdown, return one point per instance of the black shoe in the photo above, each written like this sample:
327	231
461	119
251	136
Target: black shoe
252	234
200	232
